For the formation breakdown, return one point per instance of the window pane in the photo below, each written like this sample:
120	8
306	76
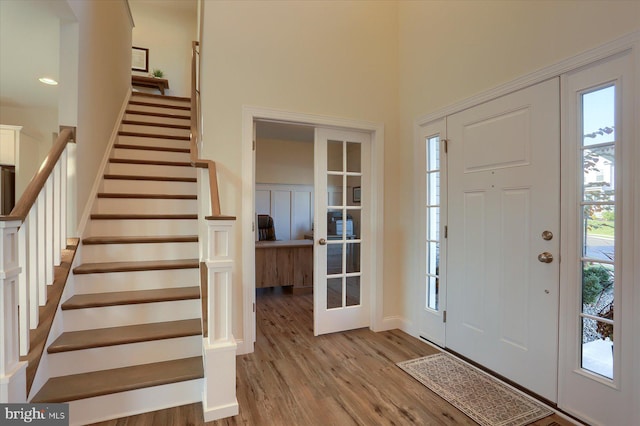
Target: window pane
433	223
353	257
353	157
598	223
432	292
335	190
433	153
433	259
334	156
354	190
353	291
433	189
597	347
334	258
334	293
597	288
599	173
598	116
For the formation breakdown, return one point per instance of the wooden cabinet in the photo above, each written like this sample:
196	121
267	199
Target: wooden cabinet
285	263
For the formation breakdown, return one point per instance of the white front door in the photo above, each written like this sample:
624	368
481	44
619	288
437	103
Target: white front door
503	236
341	230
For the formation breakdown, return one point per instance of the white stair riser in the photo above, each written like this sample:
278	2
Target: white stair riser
159	142
161	100
121	315
124	404
145	205
136	280
127	186
155	130
138	252
158	109
127	227
150	170
146	154
154	119
118	356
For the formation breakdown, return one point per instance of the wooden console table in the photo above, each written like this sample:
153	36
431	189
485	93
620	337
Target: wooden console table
285	263
151	82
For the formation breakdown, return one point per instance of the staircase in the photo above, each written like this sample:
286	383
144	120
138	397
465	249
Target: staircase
132	339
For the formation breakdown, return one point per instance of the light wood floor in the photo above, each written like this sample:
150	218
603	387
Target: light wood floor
294	378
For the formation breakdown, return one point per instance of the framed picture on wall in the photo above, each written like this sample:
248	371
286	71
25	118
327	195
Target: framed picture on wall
140	59
356	194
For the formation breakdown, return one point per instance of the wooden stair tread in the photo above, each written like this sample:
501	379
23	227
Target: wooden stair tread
141	240
162	97
116	298
167	106
150	162
118	216
158	178
152	148
147	265
148	196
96	338
158	114
154	135
152	124
105	382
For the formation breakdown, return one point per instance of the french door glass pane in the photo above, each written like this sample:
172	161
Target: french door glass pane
334	156
353	257
354	193
353	157
334	293
353	291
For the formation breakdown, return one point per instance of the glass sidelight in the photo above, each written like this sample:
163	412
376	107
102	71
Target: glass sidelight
598	223
433	222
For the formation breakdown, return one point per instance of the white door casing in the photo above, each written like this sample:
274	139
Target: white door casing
503	193
342	253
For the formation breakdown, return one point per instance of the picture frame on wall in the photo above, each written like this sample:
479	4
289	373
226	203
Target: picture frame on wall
356	194
140	59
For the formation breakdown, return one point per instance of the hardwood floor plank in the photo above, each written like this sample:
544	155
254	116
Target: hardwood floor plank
350	378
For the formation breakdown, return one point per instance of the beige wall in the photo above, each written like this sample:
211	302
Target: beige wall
452	50
387	62
284	162
167	32
104	79
330	58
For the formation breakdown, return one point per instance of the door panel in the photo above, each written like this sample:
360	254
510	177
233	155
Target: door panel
503	181
341	292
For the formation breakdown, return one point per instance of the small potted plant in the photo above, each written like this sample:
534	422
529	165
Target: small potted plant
157	73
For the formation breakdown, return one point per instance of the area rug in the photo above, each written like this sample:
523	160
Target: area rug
480	396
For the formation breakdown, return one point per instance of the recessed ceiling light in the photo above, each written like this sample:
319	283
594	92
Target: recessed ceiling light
49	81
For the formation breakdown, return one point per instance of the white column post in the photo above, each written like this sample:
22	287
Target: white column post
13	373
219	394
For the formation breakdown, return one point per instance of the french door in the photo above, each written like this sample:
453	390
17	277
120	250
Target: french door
503	235
341	230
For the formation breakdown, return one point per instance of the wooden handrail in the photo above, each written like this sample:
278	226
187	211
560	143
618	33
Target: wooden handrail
194	138
38	181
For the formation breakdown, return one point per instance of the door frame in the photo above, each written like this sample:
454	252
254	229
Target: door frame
251	114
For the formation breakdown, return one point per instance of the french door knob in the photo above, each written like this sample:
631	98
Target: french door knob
545	257
322	242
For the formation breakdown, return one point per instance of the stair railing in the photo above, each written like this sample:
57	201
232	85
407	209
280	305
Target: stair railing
219	346
33	237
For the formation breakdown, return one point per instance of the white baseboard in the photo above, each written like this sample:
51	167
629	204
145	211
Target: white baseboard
392	323
220	412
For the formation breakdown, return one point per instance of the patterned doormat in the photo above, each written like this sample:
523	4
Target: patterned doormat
480	396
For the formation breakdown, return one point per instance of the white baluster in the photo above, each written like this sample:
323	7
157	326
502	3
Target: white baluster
13	378
63	197
48	229
32	264
55	215
41	256
23	289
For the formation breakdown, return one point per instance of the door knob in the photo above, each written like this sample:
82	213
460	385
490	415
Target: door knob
545	257
322	242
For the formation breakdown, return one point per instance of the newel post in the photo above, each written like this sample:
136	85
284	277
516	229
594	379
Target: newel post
219	399
13	373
